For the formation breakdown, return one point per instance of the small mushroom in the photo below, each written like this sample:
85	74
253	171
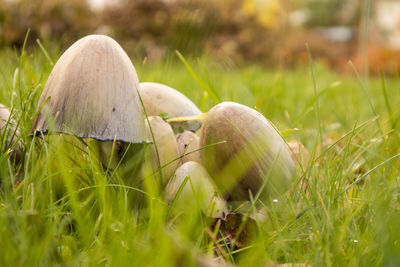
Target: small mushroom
299	153
198	190
92	93
253	151
187	143
167	148
161	99
203	260
8	127
5	121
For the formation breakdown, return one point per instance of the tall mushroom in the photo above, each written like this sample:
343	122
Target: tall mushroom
159	98
92	93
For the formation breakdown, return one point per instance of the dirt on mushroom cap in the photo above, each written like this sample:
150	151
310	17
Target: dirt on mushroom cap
187	143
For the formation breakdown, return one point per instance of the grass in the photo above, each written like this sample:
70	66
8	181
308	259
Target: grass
59	207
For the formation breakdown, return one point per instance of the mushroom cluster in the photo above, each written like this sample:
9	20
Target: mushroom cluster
230	153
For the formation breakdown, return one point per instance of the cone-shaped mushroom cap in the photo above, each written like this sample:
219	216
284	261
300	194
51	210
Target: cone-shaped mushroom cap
92	93
253	151
158	98
200	190
188	142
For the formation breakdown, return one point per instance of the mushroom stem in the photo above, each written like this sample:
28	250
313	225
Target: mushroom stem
188	118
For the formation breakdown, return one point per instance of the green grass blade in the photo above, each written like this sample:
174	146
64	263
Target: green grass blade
203	85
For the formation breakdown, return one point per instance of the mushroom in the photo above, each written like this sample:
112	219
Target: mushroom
198	190
8	127
5	121
165	142
253	151
299	153
187	143
92	93
161	99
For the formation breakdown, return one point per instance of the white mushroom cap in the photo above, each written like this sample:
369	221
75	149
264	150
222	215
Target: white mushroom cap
4	116
253	151
4	119
159	98
7	124
92	93
188	142
166	146
199	190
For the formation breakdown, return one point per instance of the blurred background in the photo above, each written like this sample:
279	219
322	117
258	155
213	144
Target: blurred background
273	33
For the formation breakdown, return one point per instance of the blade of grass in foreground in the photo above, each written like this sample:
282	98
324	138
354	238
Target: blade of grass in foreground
44	52
160	182
385	96
317	104
371	105
367	174
178	193
203	85
20	67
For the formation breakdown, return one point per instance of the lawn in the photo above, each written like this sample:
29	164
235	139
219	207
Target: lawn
59	206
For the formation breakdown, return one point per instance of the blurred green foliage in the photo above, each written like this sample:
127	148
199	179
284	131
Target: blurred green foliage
48	19
154	26
242	31
332	12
